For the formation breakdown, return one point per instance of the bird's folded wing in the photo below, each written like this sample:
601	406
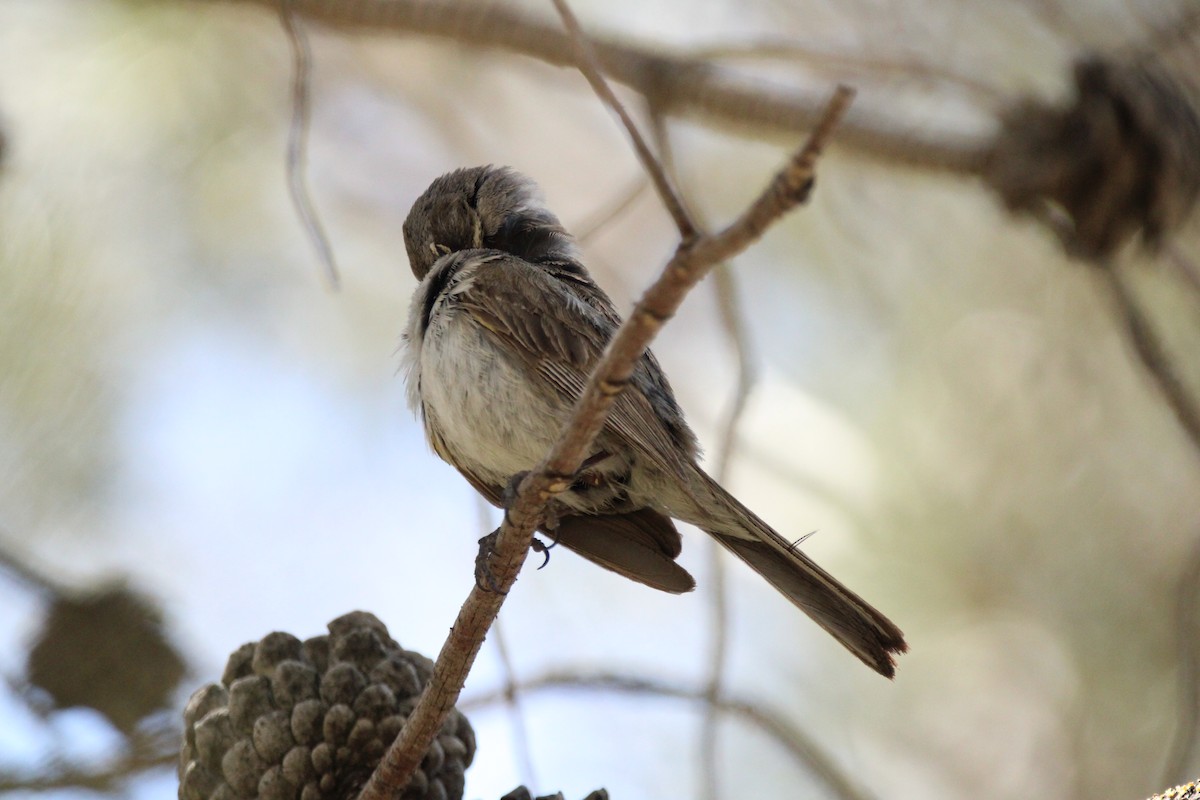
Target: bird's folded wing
641	545
538	320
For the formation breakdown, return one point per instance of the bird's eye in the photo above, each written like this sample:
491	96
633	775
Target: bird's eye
441	250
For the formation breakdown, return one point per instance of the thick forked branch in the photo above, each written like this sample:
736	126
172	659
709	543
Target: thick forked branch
690	263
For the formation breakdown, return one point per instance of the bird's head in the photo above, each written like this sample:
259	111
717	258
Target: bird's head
489	207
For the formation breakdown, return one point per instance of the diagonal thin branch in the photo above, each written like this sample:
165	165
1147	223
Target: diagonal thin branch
512	698
790	187
603	217
1152	353
516	712
149	750
25	572
732	322
863	65
804	749
297	146
747	375
586	61
1187	621
1186	267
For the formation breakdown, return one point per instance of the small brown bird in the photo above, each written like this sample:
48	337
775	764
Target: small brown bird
502	333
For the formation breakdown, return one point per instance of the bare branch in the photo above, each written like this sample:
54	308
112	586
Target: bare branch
805	750
731	319
611	374
512	699
155	749
725	285
1186	267
863	65
297	147
674	85
1187	620
732	322
1152	353
606	215
32	577
586	60
516	714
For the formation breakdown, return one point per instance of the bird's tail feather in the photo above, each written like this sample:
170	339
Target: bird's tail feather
851	620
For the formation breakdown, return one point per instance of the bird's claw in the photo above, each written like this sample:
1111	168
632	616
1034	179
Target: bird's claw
538	546
484	579
509	495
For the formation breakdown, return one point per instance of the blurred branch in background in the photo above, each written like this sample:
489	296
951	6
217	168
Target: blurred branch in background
672	85
1187	622
1187	267
297	146
145	750
508	672
32	578
734	327
804	750
1153	352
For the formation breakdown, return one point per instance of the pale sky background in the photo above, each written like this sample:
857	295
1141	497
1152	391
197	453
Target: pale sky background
944	398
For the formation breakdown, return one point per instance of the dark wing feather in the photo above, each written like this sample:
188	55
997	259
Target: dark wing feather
641	545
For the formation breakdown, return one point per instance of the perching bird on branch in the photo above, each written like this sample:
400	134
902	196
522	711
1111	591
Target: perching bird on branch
503	331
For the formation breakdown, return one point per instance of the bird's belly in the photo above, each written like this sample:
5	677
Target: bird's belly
481	404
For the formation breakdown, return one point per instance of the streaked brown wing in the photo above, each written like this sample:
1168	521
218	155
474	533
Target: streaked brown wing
538	320
659	393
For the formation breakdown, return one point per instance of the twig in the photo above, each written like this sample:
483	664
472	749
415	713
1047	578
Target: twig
611	374
1187	621
725	286
1177	29
799	745
1152	353
586	61
512	699
1185	266
147	751
602	218
730	315
297	146
673	84
27	573
735	328
516	713
877	67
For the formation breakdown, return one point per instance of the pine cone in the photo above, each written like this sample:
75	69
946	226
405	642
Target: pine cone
310	720
1124	159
